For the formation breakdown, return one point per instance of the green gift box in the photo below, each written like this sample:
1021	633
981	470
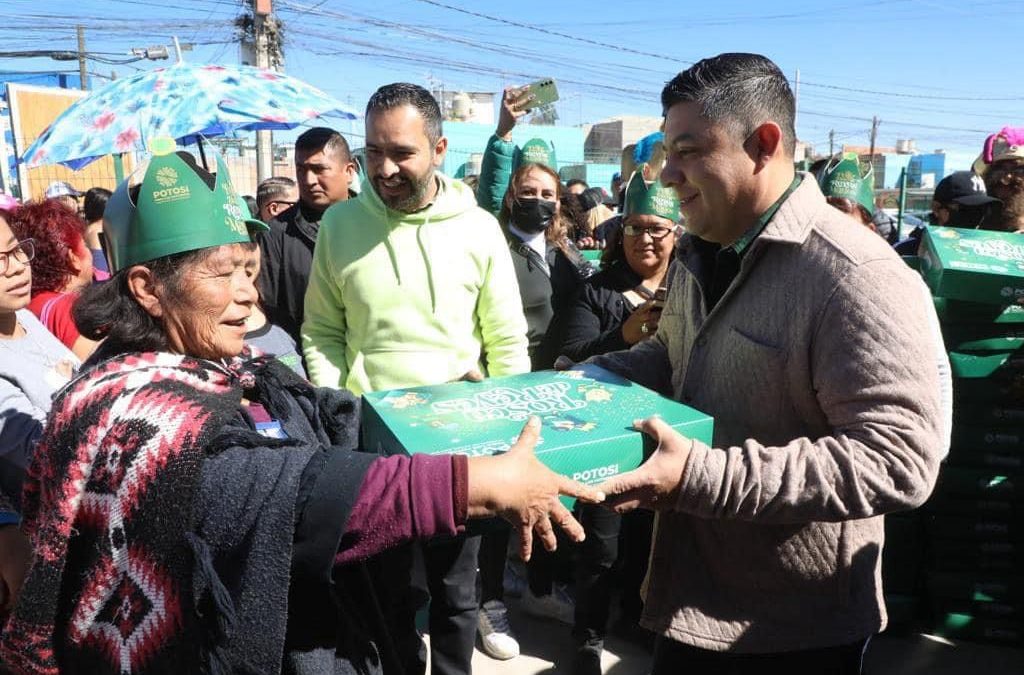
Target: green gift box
1002	388
975	265
978	313
995	364
983	338
586	413
959	482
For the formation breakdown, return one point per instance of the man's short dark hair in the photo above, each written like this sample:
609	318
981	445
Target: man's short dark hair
272	188
396	95
328	140
577	181
741	91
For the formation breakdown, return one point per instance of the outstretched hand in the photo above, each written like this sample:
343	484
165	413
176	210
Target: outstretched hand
517	487
655	483
513	106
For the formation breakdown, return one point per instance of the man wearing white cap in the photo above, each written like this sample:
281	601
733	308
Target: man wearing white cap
64	193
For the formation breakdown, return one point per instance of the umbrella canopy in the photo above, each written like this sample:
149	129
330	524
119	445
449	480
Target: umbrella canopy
184	102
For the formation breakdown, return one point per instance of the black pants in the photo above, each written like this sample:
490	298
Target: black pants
608	533
451	579
446	575
493	557
672	658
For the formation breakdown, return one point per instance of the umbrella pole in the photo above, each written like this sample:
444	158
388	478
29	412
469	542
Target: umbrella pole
202	153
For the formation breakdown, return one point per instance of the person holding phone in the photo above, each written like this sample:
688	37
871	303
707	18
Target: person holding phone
617	308
522	188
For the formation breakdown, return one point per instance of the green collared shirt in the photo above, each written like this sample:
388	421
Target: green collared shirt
722	264
741	245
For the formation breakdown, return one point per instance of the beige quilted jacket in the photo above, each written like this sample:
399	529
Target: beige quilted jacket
819	368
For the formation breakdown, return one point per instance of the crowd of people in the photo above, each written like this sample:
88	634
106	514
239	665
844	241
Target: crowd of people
182	482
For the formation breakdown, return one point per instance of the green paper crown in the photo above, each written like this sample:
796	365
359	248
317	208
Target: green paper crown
175	211
536	151
846	177
650	199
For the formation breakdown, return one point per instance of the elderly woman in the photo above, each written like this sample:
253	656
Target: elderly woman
193	508
617	308
61	269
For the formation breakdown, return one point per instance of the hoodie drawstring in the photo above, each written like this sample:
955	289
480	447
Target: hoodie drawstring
426	261
424	252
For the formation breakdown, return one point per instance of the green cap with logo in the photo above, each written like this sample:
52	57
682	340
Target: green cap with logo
176	210
536	151
649	198
846	177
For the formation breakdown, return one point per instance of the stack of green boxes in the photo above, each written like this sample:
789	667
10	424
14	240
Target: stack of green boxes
971	529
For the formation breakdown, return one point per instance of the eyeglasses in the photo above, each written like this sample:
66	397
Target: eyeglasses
23	253
657	233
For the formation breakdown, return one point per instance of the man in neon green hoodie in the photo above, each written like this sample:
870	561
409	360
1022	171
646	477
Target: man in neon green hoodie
413	284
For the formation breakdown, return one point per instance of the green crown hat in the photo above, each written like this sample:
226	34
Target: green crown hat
536	151
650	199
846	177
176	210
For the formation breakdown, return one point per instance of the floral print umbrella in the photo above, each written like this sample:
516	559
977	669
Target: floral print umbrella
184	102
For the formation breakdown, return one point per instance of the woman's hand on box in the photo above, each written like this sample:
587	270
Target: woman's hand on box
517	487
655	483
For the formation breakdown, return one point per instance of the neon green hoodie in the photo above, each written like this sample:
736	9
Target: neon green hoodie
406	299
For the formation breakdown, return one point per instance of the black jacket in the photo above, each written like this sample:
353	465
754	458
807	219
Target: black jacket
284	272
545	290
592	324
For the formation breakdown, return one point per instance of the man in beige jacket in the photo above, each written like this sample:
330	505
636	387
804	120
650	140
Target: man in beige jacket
813	346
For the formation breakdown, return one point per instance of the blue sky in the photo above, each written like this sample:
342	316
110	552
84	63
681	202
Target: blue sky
942	72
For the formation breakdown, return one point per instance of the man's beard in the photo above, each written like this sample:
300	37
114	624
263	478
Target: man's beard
412	202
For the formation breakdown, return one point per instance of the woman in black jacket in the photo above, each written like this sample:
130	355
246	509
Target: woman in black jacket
617	308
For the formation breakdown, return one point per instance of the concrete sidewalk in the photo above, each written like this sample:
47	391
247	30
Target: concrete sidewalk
547	648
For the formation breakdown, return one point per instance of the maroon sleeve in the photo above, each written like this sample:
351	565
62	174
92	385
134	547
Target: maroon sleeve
404	498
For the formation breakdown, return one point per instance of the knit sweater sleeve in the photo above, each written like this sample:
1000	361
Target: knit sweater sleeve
877	383
404	498
495	172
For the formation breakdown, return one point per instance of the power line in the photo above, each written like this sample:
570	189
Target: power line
620	48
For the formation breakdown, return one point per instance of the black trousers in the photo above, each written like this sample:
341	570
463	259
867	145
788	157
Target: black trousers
450	566
673	658
443	570
610	538
493	557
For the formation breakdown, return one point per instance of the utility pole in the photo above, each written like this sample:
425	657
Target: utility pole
831	142
83	81
261	10
874	134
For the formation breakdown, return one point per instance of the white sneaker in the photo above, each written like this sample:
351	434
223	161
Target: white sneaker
557	605
495	633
